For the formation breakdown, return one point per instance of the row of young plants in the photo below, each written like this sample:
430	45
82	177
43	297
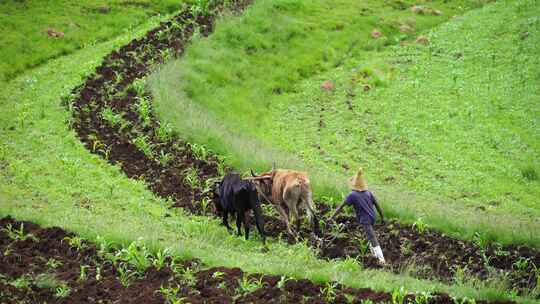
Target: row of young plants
179	281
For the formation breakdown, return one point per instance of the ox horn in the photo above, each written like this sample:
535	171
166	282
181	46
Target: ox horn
252	174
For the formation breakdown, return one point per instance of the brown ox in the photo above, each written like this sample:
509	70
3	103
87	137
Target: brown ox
287	191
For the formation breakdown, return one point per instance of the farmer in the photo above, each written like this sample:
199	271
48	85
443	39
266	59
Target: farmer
363	201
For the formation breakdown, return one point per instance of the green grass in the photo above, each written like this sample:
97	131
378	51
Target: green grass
47	176
23	24
446	132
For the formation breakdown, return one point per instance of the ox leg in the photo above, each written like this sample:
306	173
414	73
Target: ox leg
246	224
295	217
291	197
226	219
239	217
310	210
285	218
259	221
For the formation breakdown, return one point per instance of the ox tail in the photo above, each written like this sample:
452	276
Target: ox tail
310	210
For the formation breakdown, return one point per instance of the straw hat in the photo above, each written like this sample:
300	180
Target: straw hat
358	182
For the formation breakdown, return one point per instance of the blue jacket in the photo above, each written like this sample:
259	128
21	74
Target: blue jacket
363	203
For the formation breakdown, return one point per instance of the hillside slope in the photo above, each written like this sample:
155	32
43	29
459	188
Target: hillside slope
447	131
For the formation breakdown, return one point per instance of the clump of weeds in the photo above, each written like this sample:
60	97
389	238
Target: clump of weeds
18	234
328	292
246	285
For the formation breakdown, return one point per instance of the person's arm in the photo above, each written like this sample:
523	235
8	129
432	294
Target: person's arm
379	209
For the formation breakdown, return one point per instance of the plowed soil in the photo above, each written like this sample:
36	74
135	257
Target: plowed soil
29	259
114	86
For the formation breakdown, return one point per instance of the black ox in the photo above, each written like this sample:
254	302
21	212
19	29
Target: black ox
235	195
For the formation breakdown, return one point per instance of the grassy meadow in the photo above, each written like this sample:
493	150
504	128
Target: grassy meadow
26	42
444	124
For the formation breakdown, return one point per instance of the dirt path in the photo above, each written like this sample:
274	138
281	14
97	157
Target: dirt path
113	118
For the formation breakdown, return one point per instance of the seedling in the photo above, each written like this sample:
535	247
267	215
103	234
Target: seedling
104	247
114	119
269	210
106	154
205	202
164	132
8	251
218	275
282	281
499	251
47	281
245	285
191	177
200	8
486	259
160	259
83	272
53	263
22	282
349	298
222	285
171	294
144	145
144	110
406	247
125	275
118	77
18	234
537	275
139	86
164	158
62	291
423	297
199	151
221	165
98	273
419	225
363	247
521	264
398	295
136	255
187	276
337	231
328	292
165	54
96	144
464	300
176	267
328	199
209	184
481	241
75	242
460	274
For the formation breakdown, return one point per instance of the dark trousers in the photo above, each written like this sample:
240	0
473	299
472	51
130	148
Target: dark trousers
370	234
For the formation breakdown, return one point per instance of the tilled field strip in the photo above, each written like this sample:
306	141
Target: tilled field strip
40	262
113	118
